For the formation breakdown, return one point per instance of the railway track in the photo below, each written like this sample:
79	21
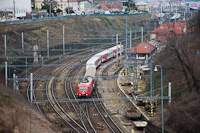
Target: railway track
41	74
73	106
61	115
106	116
57	107
78	107
83	107
112	89
98	111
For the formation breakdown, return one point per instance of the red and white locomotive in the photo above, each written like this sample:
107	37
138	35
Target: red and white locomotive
87	84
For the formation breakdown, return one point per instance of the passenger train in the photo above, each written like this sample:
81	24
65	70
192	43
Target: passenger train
87	85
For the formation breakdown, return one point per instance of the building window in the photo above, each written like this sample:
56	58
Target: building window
61	0
58	5
61	5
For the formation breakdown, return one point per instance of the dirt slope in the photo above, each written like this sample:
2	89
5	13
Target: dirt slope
18	116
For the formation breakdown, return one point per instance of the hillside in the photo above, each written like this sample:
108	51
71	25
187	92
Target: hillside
16	114
180	63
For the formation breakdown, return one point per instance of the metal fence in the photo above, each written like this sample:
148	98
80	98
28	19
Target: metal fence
62	17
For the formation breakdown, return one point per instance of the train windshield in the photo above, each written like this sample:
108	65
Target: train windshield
83	88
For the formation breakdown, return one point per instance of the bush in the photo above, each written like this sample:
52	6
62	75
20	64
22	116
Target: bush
58	10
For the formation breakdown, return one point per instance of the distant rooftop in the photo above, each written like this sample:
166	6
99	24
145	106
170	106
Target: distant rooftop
143	48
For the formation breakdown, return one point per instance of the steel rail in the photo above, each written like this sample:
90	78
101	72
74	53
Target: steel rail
61	69
91	125
108	114
34	91
105	69
102	116
51	99
54	101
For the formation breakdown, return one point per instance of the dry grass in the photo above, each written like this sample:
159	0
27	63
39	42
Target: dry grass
17	117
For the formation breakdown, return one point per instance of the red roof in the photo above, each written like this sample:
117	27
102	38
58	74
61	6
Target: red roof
177	28
162	39
143	48
103	6
72	0
169	30
114	5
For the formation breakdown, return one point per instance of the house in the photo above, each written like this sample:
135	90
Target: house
142	6
159	45
15	8
115	7
38	4
62	4
103	8
167	30
85	7
73	4
142	51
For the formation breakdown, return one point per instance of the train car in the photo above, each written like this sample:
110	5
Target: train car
111	52
114	50
176	16
87	84
105	55
95	61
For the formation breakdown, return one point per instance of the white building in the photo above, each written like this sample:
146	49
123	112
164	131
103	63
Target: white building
19	8
85	7
143	6
62	4
73	4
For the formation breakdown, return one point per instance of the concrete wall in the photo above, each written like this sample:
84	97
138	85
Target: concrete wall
19	5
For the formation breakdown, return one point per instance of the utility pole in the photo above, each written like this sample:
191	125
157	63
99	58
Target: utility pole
22	42
135	26
31	87
169	92
14	7
160	14
126	40
117	47
130	39
68	7
50	8
48	43
104	7
14	81
5	45
6	73
63	40
83	30
169	12
141	34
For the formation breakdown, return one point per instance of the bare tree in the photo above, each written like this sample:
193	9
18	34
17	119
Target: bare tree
49	5
181	49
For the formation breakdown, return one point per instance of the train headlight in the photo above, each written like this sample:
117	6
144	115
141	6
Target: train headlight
79	94
86	94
